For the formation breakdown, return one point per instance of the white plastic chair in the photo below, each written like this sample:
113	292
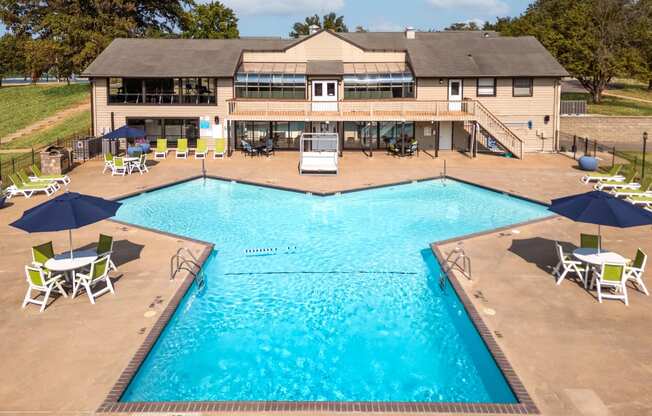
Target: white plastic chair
566	265
119	167
98	272
141	166
108	163
41	281
612	277
636	270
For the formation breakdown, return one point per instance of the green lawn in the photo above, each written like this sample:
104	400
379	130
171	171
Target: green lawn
77	125
612	106
630	88
21	106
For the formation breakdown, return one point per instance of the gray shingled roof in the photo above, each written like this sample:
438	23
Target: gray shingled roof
325	68
431	54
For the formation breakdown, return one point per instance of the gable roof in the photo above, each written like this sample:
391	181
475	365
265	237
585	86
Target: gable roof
430	54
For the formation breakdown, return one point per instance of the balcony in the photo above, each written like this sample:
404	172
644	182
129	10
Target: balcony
350	110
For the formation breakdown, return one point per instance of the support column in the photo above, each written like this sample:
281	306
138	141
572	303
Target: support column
402	138
476	127
437	129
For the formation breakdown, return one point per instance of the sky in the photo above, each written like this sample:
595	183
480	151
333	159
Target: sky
276	17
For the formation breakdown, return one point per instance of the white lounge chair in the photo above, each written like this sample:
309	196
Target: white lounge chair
644	200
98	272
28	189
119	167
202	149
220	149
41	281
635	271
567	265
161	150
612	175
644	190
612	277
39	176
181	151
627	183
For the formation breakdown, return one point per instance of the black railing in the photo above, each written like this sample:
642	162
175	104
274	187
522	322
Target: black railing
615	153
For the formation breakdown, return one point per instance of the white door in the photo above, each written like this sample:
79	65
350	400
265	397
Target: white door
455	95
324	95
446	135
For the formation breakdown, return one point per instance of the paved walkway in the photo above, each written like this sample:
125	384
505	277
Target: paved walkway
47	122
575	356
626	97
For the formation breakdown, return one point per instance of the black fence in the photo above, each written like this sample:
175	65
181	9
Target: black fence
81	150
625	153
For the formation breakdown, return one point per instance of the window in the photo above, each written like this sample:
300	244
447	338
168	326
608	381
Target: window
167	128
379	86
522	87
319	89
263	85
156	91
486	87
330	89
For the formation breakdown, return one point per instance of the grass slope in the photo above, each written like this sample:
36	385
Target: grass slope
612	106
21	106
78	124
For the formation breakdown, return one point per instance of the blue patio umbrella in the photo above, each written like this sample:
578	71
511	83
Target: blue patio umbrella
124	132
66	212
601	208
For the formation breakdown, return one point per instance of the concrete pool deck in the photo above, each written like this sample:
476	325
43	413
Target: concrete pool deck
574	355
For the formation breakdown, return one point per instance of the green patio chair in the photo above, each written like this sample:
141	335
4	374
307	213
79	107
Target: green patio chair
161	150
590	241
612	277
27	181
644	190
182	149
104	247
644	200
42	253
202	149
612	175
628	183
635	270
99	271
41	281
220	149
119	167
39	176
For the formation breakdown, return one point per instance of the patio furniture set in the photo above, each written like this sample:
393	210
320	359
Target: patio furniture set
182	150
606	271
119	165
77	270
28	185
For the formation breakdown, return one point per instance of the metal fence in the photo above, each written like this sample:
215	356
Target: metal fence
626	153
573	107
81	149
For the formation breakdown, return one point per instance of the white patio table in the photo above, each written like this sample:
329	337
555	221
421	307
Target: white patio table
595	258
130	161
63	263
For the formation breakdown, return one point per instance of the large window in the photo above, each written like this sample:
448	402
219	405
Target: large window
286	135
262	85
522	87
171	129
155	91
378	86
486	87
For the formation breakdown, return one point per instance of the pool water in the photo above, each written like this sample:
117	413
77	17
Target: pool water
313	298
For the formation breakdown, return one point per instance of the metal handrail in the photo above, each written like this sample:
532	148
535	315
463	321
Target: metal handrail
512	142
453	262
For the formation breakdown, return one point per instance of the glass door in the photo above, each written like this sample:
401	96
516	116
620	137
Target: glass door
324	95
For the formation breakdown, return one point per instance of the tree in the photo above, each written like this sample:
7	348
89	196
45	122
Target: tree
463	26
500	25
40	55
361	29
590	38
210	21
642	37
76	31
331	21
11	56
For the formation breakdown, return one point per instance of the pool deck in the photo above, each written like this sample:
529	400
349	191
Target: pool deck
574	355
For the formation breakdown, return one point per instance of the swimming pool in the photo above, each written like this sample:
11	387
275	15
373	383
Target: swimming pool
313	298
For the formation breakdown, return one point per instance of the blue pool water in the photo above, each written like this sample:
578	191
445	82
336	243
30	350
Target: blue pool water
353	312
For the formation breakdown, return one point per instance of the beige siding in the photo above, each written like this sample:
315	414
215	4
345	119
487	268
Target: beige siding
120	112
515	112
324	46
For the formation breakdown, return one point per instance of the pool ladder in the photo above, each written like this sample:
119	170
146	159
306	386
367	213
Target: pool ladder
456	260
185	260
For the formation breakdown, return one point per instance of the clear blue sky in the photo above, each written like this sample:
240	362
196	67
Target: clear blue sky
275	17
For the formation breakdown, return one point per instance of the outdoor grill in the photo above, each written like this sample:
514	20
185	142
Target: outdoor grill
55	160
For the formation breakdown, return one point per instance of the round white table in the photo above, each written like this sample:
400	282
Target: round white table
131	161
593	257
62	263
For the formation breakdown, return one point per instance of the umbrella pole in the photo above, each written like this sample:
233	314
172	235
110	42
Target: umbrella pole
599	238
70	241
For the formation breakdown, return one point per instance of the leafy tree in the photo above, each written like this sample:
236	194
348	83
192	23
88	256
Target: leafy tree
642	38
210	21
40	55
463	26
331	21
590	38
500	25
76	31
361	29
11	56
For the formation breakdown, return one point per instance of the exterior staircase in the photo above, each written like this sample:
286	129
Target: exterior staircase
493	129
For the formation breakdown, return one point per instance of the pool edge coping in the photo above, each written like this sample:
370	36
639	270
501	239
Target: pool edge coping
524	405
